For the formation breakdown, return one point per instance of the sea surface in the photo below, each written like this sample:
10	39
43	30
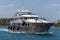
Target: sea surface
54	34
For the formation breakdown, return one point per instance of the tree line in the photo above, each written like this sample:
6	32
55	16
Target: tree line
5	21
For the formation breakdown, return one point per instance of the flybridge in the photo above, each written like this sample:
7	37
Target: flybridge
25	13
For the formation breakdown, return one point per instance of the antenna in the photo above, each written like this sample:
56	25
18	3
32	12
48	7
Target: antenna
23	9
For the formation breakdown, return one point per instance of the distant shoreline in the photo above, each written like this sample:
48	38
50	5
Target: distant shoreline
5	22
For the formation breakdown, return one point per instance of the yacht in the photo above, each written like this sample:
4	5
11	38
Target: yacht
24	21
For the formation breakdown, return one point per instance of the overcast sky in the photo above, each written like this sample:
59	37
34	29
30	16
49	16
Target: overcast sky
50	9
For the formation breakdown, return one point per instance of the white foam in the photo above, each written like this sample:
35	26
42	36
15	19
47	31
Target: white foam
6	30
45	33
14	32
3	29
51	32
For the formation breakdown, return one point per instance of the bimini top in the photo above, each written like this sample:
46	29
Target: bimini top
23	10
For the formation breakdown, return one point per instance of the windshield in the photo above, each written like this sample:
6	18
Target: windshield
31	18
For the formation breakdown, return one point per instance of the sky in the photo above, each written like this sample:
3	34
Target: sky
50	9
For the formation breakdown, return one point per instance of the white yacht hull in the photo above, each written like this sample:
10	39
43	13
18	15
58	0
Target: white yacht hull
40	28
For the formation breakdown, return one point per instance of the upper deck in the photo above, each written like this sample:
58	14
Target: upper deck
25	14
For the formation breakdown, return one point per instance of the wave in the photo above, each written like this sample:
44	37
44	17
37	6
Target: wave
14	32
6	30
3	29
45	33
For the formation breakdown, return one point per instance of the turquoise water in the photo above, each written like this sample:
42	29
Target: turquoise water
5	35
